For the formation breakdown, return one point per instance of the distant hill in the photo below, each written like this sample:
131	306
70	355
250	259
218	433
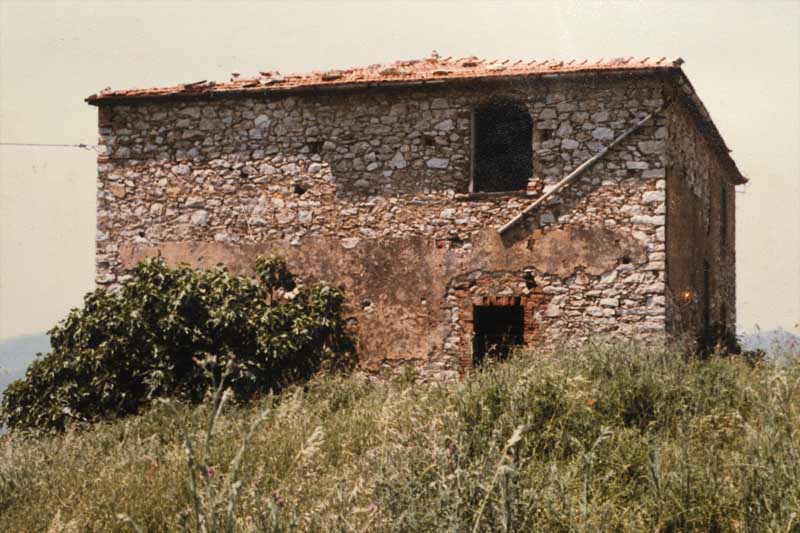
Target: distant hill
17	353
777	342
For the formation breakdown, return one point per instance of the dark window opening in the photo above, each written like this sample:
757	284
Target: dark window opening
503	154
715	334
315	146
530	282
299	189
724	217
723	319
498	328
706	299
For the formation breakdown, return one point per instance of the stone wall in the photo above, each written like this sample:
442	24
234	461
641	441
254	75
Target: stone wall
370	188
701	228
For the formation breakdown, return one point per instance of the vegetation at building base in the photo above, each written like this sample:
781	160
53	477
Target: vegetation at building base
609	438
123	350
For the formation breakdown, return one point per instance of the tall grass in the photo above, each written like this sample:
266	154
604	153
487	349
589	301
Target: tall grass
610	438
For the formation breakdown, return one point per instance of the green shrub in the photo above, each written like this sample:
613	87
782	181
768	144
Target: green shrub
124	349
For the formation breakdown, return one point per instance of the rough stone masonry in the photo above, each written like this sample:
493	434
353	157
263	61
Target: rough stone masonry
386	179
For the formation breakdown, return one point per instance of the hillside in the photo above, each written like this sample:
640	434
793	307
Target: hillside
777	343
609	439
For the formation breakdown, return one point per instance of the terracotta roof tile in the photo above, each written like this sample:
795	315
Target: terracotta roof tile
433	69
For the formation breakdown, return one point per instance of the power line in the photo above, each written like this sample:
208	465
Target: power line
52	145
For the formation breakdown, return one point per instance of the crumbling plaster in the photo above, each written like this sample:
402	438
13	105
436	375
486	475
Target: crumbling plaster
363	187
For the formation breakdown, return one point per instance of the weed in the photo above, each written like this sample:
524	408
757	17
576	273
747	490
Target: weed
609	438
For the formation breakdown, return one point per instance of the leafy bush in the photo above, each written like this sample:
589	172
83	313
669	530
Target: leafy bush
126	348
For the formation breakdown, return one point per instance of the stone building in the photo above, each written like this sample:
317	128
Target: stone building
405	183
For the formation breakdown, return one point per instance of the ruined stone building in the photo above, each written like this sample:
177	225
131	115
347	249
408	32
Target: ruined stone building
396	180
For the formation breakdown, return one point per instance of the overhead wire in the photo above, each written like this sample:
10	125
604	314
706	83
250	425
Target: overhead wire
83	146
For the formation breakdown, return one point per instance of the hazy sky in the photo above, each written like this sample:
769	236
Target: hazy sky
743	59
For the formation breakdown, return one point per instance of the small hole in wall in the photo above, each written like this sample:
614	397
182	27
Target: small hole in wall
529	281
546	135
314	147
427	140
626	259
141	233
367	305
299	189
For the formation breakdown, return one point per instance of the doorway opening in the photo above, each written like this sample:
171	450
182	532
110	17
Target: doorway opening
706	300
498	329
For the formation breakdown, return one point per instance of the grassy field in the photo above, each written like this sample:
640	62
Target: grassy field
611	438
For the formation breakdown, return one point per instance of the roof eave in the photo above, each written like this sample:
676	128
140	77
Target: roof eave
699	107
178	93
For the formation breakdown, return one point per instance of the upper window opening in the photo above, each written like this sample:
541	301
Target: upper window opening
724	216
706	299
502	147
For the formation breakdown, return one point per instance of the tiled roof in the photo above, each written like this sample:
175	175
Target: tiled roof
430	70
433	69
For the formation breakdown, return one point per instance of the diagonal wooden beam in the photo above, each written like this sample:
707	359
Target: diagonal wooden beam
575	173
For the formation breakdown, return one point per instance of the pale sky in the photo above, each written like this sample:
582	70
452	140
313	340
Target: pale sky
743	59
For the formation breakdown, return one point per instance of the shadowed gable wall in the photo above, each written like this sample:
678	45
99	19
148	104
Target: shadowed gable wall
700	229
